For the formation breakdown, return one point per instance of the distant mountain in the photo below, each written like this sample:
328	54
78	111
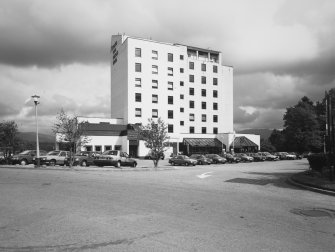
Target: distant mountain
31	137
264	133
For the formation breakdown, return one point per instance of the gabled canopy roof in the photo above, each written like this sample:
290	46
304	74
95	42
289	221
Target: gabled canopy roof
242	141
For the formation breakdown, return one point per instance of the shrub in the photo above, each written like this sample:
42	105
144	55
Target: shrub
317	161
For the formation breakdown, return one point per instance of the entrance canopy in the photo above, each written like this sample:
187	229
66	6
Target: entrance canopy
243	144
203	142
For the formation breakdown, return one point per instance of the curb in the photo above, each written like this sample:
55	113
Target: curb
306	186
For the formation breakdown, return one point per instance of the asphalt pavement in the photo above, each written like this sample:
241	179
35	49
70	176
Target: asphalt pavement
230	207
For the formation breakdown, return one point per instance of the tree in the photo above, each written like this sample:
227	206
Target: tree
302	128
71	132
267	146
8	136
277	139
155	135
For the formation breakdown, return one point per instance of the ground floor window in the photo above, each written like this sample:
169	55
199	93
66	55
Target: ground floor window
117	147
108	147
88	147
97	148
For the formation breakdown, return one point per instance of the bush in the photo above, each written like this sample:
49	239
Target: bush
317	161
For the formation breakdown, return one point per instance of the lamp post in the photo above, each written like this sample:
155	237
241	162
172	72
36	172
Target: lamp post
35	98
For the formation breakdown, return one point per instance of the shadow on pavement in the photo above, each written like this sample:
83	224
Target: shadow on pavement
262	179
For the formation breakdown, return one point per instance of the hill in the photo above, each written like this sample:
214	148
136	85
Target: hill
31	137
264	133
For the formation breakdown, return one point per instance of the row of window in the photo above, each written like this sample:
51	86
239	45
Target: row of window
192	130
99	148
138	53
138	98
138	81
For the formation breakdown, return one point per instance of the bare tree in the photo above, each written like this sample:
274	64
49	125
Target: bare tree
71	132
155	135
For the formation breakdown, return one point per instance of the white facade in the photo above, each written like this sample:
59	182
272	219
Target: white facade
214	98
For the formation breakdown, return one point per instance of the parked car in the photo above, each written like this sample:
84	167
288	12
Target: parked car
232	158
201	159
150	155
2	158
257	157
216	159
114	158
182	160
244	157
269	156
53	158
281	155
84	158
25	157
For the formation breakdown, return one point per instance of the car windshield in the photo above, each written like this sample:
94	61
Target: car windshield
114	153
25	152
53	153
216	156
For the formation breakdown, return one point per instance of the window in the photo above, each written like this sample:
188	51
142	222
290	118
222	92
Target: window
215	81
170	128
137	52
154	83
181	70
170	85
215	118
170	99
154	98
181	57
203	105
97	148
191	104
181	123
170	114
138	82
182	110
181	83
138	112
203	130
191	78
155	113
203	92
215	69
88	147
138	67
117	147
215	106
138	97
191	129
203	67
191	117
170	57
108	147
203	118
170	71
154	55
181	97
154	69
215	93
191	65
191	91
203	79
215	130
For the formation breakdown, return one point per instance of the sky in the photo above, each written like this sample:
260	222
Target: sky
280	50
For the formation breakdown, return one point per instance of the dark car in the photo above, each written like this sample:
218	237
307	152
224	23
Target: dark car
150	155
25	157
257	157
269	156
231	158
244	157
114	158
201	159
84	158
216	159
182	160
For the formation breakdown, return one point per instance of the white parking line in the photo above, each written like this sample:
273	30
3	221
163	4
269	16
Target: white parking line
204	175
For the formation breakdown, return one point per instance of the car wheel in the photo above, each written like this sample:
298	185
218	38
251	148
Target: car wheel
83	163
134	164
118	164
187	164
23	162
52	162
172	163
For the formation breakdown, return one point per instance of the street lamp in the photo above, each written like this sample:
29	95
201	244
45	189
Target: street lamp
35	98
